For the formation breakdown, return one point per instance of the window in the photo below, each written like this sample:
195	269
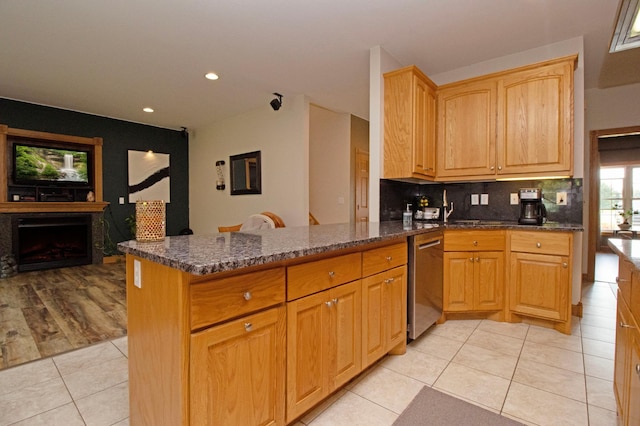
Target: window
619	192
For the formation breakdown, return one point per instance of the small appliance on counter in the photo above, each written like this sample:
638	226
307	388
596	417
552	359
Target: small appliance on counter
532	210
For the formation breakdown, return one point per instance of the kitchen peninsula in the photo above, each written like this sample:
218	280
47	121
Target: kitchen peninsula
259	327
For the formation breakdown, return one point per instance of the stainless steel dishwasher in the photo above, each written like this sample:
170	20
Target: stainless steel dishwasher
424	295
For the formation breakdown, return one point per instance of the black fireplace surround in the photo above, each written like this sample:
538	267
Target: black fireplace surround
51	240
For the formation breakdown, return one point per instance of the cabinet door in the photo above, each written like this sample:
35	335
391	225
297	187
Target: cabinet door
308	342
535	121
237	371
540	285
384	313
488	286
634	381
621	360
346	324
424	128
458	281
467	129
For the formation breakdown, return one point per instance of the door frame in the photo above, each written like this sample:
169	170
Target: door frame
594	193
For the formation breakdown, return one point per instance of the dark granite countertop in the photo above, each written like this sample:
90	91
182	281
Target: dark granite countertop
627	249
210	253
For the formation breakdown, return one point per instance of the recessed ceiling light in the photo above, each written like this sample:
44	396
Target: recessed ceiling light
147	109
627	32
211	76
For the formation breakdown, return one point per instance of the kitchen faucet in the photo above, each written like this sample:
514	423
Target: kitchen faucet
445	206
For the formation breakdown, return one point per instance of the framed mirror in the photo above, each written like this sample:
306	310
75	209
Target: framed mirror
245	173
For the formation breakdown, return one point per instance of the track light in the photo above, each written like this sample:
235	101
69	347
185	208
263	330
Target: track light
277	102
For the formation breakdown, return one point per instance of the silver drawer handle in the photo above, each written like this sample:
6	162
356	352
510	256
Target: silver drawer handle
389	280
623	325
247	295
332	274
248	326
538	245
638	369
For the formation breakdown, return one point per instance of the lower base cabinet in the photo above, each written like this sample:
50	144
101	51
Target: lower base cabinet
237	372
384	313
323	345
626	376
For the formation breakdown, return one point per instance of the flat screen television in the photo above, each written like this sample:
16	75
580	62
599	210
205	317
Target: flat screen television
45	165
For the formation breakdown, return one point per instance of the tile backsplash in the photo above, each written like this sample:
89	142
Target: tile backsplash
394	196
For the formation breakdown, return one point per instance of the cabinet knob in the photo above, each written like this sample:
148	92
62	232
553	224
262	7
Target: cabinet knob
389	280
332	274
623	325
328	303
247	295
477	259
638	369
471	259
335	301
492	168
499	167
389	258
248	326
475	243
565	265
538	245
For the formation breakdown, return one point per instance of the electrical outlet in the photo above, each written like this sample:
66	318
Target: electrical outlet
513	198
475	199
121	200
137	273
561	198
484	199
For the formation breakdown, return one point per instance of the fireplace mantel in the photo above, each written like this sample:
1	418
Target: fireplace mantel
53	207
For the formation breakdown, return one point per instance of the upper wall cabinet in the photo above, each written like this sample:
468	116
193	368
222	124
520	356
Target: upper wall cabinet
409	125
515	123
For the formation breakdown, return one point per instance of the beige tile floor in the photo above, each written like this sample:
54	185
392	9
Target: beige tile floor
528	373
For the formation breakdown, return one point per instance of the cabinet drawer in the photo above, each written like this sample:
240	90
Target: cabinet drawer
312	277
474	240
218	300
541	242
383	258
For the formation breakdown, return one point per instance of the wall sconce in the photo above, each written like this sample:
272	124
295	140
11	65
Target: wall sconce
277	102
220	171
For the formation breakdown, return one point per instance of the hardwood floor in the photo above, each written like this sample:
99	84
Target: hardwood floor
44	313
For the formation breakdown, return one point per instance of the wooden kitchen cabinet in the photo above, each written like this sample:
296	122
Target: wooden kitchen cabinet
540	276
409	125
323	345
473	271
384	313
474	281
238	371
535	120
466	129
509	124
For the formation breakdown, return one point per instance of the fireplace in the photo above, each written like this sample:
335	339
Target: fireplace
43	242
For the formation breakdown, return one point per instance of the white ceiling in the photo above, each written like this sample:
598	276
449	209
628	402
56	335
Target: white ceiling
112	58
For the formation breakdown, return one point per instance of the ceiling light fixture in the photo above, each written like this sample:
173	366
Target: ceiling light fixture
211	76
277	102
147	109
627	32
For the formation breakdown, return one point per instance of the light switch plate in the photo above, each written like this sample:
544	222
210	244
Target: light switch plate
484	199
513	198
474	200
561	198
137	273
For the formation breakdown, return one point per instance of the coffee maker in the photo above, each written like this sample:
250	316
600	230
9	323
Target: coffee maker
532	210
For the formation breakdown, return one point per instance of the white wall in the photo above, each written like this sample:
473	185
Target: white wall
329	161
380	61
282	137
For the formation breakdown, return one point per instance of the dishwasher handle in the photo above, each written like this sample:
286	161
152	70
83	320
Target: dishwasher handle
429	244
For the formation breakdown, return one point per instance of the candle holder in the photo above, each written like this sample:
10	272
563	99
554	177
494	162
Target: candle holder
150	220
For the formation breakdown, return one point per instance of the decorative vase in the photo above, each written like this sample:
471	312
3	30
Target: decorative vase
150	220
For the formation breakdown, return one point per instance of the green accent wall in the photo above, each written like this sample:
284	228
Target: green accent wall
118	137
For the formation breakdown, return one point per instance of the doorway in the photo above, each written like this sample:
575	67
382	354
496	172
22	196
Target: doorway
598	139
